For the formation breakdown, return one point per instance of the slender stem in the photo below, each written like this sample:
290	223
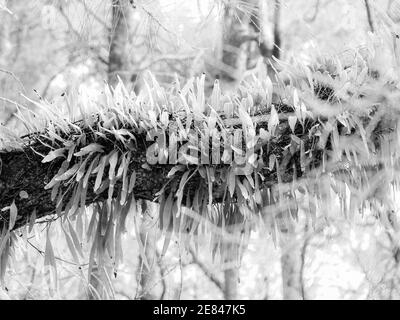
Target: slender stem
369	15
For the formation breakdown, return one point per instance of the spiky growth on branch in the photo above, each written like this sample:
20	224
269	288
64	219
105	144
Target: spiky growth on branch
330	131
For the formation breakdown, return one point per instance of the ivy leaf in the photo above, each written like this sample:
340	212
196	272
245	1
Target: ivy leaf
54	154
244	190
93	147
264	135
180	190
67	174
49	259
216	96
167	240
71	246
132	181
167	212
188	159
273	120
231	183
296	139
302	157
32	220
113	163
75	238
124	190
245	118
99	176
89	171
175	169
13	215
164	118
272	159
296	100
292	122
269	90
81	172
228	109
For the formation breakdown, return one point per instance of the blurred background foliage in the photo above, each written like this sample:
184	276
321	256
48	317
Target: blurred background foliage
52	49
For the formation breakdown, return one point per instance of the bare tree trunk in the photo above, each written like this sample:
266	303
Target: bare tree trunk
369	15
149	276
242	29
244	40
291	244
258	23
236	36
231	253
277	30
120	39
231	273
290	225
118	66
233	49
291	254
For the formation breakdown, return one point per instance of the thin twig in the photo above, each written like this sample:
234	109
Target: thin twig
94	15
41	252
152	17
206	270
15	77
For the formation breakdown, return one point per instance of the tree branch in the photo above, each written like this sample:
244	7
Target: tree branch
206	270
23	176
22	170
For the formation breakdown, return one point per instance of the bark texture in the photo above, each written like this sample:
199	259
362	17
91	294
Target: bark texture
23	170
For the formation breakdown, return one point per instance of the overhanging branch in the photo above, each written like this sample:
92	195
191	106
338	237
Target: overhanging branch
23	176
